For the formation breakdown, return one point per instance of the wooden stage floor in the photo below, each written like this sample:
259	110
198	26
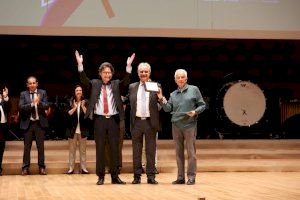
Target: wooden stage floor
209	185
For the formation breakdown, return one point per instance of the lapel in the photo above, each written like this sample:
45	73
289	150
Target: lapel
28	98
135	91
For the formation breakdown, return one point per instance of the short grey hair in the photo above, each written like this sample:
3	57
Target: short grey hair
180	71
144	64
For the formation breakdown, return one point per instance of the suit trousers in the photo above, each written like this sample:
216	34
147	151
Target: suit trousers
110	127
3	131
36	130
107	147
82	151
2	147
144	152
140	128
187	135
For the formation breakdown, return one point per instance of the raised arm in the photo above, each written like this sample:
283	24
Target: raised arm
83	78
79	58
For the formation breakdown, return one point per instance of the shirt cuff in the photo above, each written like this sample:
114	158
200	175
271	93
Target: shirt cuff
128	69
80	68
164	100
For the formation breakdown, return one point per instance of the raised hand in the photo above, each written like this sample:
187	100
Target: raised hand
74	104
130	59
79	58
37	99
83	103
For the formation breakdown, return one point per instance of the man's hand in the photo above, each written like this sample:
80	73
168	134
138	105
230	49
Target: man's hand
79	58
191	113
130	59
37	99
159	93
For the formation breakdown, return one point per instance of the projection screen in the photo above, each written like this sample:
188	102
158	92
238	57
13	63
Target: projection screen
264	19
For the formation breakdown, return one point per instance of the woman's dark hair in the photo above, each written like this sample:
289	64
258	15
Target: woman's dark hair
76	86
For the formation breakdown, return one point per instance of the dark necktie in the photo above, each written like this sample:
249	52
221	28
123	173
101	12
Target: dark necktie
33	112
105	102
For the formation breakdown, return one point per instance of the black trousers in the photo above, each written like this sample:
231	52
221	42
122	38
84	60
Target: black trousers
2	147
143	127
36	130
3	132
106	127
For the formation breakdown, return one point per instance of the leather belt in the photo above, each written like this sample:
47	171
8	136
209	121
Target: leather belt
143	118
106	116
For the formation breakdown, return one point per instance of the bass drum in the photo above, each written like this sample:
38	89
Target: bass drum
242	105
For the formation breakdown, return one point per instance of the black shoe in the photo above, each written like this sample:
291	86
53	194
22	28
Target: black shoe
191	182
100	181
117	180
42	171
70	172
84	172
136	180
156	171
179	181
25	171
152	181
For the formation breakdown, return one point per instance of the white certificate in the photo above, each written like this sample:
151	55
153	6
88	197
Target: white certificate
151	86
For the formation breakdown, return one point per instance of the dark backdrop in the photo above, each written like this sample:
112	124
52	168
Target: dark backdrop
273	65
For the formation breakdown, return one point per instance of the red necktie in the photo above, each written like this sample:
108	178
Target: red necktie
105	103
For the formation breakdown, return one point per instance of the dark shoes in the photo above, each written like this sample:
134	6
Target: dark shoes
42	171
178	181
117	180
100	181
191	182
152	181
136	180
25	171
84	172
70	172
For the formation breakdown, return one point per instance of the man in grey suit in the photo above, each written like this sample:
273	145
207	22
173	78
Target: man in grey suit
105	108
144	119
33	104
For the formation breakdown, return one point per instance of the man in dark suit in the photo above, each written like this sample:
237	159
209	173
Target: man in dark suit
105	108
4	110
33	104
144	119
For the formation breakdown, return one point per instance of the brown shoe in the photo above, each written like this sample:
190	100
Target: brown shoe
42	171
25	171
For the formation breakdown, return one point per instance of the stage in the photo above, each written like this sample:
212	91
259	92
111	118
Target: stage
227	169
209	185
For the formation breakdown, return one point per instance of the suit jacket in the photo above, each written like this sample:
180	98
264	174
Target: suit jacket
73	120
6	107
95	89
153	106
26	108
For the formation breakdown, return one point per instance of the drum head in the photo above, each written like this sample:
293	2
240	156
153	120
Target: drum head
244	103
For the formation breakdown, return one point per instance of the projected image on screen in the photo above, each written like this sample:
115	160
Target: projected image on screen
60	10
168	18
